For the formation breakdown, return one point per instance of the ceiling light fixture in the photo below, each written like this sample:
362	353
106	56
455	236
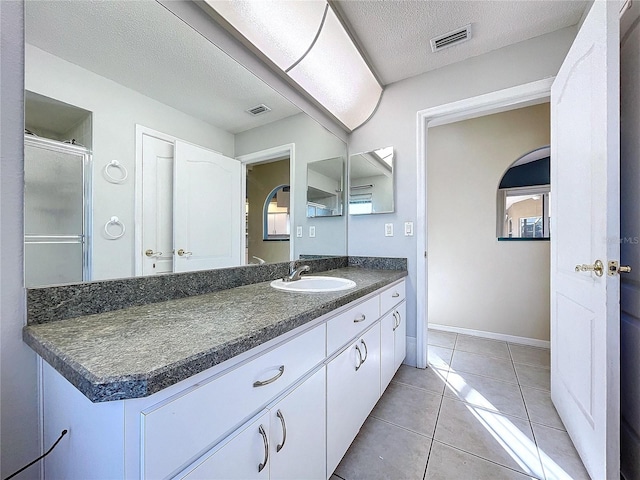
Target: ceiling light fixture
309	44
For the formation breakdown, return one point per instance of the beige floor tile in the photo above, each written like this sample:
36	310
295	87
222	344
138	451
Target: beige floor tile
448	463
505	440
409	407
540	408
560	459
535	377
384	451
441	339
439	357
498	368
430	379
486	392
538	357
483	346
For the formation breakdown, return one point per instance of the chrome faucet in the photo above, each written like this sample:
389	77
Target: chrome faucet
295	273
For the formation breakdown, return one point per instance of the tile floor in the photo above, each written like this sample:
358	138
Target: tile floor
481	411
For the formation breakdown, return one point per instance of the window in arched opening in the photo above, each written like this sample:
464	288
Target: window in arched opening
523	198
276	214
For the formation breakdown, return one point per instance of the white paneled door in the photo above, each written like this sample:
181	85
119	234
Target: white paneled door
585	229
207	213
157	205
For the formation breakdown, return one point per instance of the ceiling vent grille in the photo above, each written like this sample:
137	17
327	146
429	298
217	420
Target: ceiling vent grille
451	38
258	109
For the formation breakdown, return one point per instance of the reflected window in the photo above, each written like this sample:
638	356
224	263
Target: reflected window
276	214
523	198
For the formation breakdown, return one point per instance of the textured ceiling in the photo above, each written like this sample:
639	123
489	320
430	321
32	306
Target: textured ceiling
141	45
395	34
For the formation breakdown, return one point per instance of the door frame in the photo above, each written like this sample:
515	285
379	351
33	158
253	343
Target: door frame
498	101
266	156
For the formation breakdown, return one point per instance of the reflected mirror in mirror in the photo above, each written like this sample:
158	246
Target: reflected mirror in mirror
371	187
325	179
158	116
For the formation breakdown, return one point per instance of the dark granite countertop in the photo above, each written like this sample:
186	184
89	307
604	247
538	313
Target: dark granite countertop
138	351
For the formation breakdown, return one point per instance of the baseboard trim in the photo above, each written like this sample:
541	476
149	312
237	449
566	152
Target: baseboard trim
411	357
533	342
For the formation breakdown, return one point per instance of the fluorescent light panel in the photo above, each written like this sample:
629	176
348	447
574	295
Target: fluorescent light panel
331	70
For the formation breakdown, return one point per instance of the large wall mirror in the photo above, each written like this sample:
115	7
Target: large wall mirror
371	187
143	141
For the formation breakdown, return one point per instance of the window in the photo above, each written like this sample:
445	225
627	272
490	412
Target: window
523	198
276	219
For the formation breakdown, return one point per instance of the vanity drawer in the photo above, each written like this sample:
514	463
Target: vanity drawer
392	296
180	429
345	326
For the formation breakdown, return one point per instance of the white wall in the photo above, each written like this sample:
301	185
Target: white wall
394	123
312	143
116	110
630	253
475	281
18	384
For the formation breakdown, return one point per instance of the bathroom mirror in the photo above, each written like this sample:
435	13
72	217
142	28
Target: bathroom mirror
371	187
325	179
102	75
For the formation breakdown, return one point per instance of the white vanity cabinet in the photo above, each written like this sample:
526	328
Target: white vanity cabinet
393	332
286	442
294	405
353	389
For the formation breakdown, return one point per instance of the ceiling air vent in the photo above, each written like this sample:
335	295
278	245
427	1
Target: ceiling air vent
258	109
450	39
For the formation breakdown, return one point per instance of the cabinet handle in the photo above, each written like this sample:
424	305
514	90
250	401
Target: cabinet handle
366	352
266	449
262	383
284	431
359	357
396	315
395	295
361	318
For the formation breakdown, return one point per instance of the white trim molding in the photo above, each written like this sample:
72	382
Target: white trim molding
532	342
487	104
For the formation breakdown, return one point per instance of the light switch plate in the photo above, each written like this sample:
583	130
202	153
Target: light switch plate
312	232
408	229
388	229
299	232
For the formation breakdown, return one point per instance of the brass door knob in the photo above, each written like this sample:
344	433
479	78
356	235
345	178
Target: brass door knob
597	267
151	253
184	253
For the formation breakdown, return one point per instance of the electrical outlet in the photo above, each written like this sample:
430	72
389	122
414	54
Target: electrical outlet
312	232
388	229
408	229
299	232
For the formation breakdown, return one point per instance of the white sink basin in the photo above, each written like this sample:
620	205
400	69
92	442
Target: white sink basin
311	284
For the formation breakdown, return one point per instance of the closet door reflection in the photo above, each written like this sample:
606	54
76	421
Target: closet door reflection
56	247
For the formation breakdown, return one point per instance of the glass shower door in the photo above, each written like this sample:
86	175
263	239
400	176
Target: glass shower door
55	223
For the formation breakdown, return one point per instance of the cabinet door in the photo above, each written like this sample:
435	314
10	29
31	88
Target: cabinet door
298	441
353	388
243	456
400	335
387	350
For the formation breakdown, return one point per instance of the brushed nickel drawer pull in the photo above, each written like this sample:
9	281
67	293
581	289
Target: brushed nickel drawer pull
266	448
284	431
361	318
395	295
396	323
262	383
